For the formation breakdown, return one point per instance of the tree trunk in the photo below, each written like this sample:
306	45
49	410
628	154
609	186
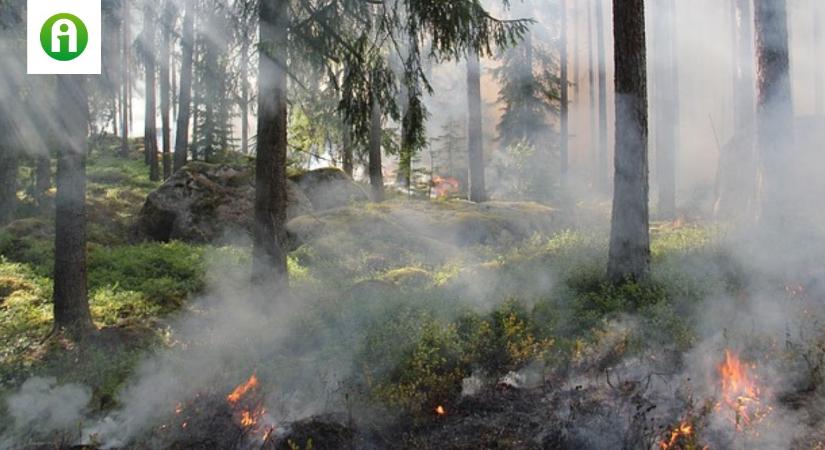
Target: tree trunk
565	101
629	255
43	178
71	303
666	106
124	99
576	51
591	91
165	88
8	170
475	138
775	108
819	100
185	91
269	253
601	170
150	136
346	156
245	94
375	165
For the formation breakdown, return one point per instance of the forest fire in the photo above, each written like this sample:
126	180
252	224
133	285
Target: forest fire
247	406
445	187
740	393
680	437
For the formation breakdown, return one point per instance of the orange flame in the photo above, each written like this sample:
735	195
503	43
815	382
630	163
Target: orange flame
444	187
739	391
242	390
440	410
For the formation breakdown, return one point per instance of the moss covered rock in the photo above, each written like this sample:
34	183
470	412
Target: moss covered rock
203	202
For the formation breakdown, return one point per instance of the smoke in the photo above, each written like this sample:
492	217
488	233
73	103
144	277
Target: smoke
42	406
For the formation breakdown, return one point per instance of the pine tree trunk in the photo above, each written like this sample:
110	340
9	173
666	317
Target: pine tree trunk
629	254
475	139
124	87
774	108
8	170
819	100
346	156
601	169
666	106
165	88
150	136
43	178
269	236
71	304
245	94
576	51
591	94
185	91
565	101
375	165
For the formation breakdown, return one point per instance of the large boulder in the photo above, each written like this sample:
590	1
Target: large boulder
330	188
203	202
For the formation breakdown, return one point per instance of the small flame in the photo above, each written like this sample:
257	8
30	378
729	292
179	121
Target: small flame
440	410
242	390
444	187
740	392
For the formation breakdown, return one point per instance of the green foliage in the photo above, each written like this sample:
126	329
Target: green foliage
166	274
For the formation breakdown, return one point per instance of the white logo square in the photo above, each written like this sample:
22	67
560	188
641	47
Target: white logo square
63	37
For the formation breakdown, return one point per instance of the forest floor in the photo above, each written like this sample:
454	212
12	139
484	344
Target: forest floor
405	344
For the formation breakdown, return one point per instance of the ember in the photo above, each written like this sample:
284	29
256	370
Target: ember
440	410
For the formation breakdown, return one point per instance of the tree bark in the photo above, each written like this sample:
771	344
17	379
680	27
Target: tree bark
124	99
185	91
629	254
601	169
8	170
666	106
565	101
591	93
375	165
475	139
775	108
165	88
245	93
269	252
71	303
150	136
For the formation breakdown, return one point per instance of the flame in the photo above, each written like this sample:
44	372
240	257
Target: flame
684	430
740	392
242	390
247	405
444	187
440	410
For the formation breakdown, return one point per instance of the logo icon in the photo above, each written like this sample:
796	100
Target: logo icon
64	37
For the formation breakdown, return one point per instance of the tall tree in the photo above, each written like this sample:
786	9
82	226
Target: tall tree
71	303
185	91
736	179
601	168
564	84
124	82
168	25
269	236
8	166
150	130
819	100
475	138
375	165
591	94
775	108
666	105
629	255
